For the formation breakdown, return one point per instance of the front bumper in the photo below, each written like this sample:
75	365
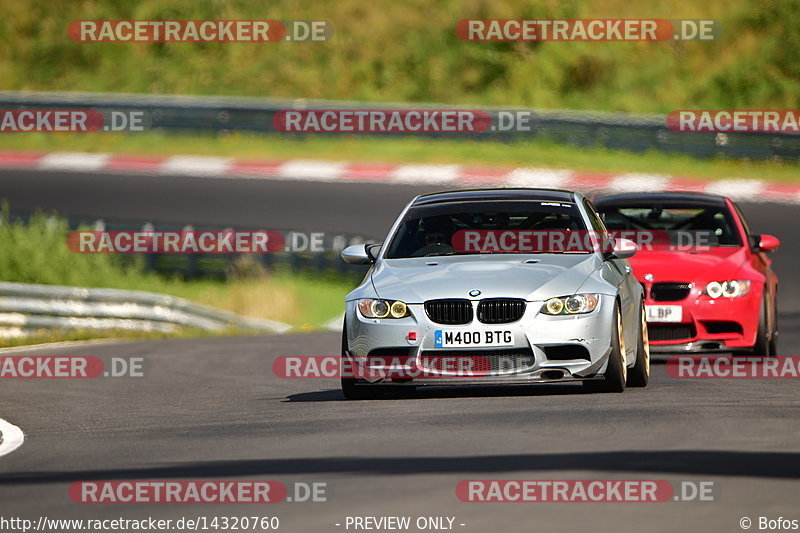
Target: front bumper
707	325
544	348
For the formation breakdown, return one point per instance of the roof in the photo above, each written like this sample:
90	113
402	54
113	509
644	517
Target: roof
477	195
659	198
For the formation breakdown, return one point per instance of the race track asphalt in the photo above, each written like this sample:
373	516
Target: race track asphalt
212	409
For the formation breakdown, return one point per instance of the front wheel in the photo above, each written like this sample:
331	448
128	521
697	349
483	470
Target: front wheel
762	346
773	340
639	375
350	390
617	369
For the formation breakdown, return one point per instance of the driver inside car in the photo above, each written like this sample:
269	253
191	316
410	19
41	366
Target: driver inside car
435	236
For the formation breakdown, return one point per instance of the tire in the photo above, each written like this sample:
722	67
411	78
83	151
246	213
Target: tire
761	347
616	371
350	390
773	340
639	374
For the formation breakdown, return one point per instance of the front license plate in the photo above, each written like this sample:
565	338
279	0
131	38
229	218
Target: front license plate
664	313
444	338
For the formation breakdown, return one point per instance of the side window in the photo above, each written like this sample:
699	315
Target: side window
594	218
751	239
597	224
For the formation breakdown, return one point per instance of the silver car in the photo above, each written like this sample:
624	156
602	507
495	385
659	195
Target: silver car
435	311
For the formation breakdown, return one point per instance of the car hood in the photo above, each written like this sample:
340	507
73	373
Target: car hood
696	265
533	277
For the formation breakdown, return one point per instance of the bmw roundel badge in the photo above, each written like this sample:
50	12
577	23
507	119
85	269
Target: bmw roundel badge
474	292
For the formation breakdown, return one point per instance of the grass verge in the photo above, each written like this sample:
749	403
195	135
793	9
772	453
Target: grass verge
36	252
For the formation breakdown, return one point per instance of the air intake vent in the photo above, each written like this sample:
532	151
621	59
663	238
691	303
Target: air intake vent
565	352
449	311
500	310
512	360
723	327
670	332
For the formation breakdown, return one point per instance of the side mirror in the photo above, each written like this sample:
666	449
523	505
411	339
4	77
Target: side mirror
361	254
356	255
373	250
768	243
623	249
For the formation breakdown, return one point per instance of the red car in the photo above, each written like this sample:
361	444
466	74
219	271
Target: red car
707	279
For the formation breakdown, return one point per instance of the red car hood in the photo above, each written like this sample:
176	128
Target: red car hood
716	263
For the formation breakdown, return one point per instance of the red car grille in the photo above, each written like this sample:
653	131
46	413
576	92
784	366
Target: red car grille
669	292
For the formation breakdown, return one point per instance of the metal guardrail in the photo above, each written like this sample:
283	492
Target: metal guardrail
206	114
27	307
30	308
192	266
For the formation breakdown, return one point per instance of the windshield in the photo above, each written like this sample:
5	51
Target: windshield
709	225
441	229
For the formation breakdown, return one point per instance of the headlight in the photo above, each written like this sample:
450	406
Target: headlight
398	309
375	308
728	289
571	305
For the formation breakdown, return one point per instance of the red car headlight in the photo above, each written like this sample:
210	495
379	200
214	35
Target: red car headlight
727	289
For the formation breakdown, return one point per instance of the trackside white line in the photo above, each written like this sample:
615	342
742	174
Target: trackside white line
549	178
75	161
202	166
738	189
303	170
634	182
425	174
12	437
333	171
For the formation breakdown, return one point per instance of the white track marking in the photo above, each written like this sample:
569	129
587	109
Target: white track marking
311	170
738	189
333	171
633	182
549	178
425	174
12	437
75	161
185	165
